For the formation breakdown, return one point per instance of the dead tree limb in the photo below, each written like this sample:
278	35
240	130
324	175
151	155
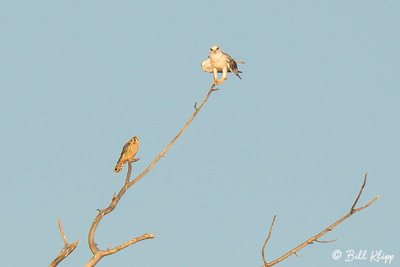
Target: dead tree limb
266	240
66	250
162	154
329	228
99	254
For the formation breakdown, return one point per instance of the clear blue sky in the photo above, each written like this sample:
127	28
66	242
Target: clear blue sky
317	106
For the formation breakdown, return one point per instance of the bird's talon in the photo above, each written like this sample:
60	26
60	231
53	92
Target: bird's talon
134	159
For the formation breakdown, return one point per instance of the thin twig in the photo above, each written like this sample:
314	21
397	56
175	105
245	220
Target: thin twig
327	241
359	193
329	228
266	241
367	205
64	238
66	250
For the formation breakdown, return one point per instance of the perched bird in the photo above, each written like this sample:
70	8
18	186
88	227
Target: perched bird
128	153
219	61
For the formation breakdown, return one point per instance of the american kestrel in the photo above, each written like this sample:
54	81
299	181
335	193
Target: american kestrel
219	61
128	153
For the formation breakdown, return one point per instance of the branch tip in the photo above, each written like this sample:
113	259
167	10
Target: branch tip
266	241
327	241
352	210
62	232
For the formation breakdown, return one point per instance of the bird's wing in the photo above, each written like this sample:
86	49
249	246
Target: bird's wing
126	147
232	65
207	67
124	151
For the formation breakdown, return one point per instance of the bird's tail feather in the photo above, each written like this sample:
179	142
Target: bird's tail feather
118	167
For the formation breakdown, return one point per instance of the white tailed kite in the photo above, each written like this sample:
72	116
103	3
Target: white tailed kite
219	61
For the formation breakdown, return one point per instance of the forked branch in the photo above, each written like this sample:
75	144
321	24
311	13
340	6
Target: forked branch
66	250
315	238
99	254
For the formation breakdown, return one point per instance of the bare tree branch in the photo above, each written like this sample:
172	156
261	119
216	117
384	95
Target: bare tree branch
329	228
66	250
266	241
162	154
99	254
359	193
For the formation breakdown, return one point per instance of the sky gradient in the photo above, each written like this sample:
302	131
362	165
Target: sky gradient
317	106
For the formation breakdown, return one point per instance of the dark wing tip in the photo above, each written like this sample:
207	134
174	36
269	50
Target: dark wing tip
233	67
